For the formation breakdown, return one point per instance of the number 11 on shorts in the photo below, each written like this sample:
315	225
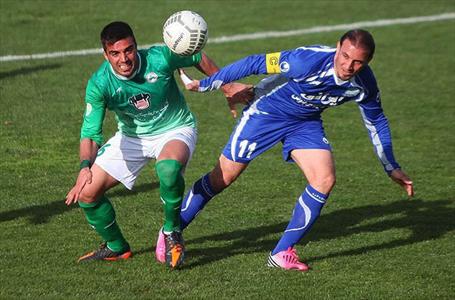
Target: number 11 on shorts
245	146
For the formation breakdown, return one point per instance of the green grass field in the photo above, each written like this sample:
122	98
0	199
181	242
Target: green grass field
370	242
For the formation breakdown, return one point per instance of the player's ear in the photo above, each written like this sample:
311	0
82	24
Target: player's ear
105	55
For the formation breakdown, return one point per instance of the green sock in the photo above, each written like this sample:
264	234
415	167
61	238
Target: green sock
101	216
172	185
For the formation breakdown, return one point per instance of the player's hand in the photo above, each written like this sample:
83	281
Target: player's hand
193	86
84	177
237	93
190	84
402	179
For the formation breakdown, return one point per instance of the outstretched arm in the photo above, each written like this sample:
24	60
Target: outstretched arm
253	64
378	128
234	92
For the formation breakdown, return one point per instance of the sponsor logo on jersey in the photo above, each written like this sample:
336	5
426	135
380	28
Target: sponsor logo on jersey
140	101
318	100
272	62
151	115
151	77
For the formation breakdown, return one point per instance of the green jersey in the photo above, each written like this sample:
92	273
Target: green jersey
148	103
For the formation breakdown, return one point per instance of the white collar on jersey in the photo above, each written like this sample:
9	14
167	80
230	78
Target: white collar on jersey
132	75
338	80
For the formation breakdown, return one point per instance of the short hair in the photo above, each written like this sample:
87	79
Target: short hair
361	39
114	32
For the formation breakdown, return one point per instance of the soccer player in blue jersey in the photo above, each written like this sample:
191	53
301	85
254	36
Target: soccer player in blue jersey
287	108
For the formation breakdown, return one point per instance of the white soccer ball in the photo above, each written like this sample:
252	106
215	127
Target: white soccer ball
185	33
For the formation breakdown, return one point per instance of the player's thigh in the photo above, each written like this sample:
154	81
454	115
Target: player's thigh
123	157
101	182
254	134
318	166
178	145
176	150
305	134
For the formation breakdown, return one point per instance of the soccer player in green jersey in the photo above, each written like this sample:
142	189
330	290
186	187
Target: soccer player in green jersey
154	122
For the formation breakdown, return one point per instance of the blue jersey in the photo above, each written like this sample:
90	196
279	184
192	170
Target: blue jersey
306	86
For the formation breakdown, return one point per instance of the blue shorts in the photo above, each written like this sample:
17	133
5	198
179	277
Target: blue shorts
258	131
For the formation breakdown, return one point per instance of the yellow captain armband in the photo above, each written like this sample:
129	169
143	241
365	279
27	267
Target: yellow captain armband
272	62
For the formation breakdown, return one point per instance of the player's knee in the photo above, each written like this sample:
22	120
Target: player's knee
169	172
221	180
229	179
324	184
225	173
87	197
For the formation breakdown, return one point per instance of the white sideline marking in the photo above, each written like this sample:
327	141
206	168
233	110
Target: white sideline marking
253	36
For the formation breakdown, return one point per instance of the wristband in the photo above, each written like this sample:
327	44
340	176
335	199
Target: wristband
186	80
84	164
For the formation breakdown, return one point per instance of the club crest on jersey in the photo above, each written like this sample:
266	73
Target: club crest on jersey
151	77
284	67
140	101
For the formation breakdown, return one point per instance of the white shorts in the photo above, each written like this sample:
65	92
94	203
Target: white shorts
123	157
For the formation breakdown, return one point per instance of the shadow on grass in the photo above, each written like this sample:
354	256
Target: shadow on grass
426	220
40	214
28	70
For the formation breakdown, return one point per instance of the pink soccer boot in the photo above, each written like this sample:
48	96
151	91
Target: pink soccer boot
160	250
287	260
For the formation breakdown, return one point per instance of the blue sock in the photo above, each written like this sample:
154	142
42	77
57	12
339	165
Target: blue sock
306	211
201	192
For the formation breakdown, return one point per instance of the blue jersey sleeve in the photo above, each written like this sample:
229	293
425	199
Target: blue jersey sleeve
377	124
253	64
294	64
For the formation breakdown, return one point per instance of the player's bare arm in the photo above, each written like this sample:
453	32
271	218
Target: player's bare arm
87	154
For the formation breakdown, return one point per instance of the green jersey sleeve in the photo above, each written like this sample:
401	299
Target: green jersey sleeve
95	109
